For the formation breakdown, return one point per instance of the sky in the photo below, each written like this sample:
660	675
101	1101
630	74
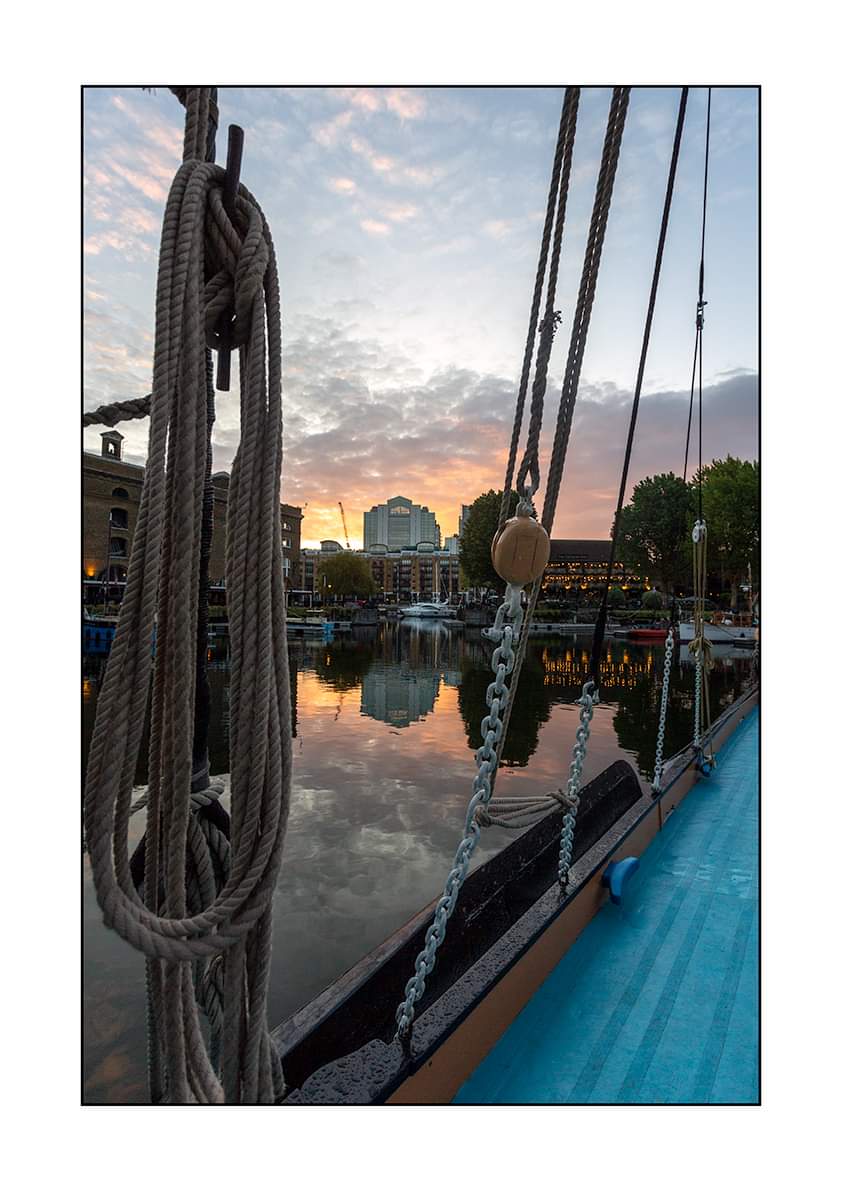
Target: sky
407	223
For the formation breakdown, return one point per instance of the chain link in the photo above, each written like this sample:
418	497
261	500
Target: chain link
588	699
662	720
505	632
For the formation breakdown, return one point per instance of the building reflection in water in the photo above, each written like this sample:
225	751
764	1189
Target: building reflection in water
399	670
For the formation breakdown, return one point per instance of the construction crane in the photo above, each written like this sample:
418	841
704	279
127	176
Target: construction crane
344	526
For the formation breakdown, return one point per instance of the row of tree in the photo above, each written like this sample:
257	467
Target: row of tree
655	528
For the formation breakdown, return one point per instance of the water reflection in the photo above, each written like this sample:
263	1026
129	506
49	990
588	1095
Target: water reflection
386	722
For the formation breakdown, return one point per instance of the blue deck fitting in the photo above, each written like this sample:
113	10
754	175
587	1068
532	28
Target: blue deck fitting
656	1003
616	874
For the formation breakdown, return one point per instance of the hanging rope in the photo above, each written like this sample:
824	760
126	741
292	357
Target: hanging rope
553	226
207	262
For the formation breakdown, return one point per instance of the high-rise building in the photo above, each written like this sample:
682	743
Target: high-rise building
463	519
399	522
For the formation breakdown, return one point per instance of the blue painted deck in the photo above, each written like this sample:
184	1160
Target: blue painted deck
657	1001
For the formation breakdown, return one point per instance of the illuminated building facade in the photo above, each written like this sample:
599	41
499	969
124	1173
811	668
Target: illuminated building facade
578	569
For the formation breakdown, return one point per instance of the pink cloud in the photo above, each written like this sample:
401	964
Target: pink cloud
400	212
342	185
328	134
374	227
409	105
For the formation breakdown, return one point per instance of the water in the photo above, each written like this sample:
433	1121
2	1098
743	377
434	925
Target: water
385	725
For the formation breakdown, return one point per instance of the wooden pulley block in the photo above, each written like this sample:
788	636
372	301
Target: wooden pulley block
520	550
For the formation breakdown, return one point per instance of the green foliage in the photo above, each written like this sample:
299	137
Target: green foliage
731	506
652	599
477	535
655	529
344	574
616	597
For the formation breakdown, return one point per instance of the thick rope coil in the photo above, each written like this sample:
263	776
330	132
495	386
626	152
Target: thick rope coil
203	254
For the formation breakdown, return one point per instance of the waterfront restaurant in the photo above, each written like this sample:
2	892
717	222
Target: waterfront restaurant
578	568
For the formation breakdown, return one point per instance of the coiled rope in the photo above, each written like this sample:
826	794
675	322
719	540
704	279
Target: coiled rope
207	262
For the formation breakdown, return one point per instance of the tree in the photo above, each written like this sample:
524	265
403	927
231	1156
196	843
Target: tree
477	535
652	601
731	509
655	528
344	574
616	597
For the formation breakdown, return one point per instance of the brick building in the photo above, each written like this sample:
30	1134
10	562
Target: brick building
111	489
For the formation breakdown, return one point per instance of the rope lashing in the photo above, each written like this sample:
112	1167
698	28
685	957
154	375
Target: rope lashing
204	255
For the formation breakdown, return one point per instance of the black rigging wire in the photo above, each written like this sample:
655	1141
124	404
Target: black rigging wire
599	631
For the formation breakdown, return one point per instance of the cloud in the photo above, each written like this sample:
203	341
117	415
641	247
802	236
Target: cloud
409	105
400	212
375	227
342	185
328	134
498	229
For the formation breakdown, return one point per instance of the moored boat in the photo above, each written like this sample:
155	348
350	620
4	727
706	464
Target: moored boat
428	611
648	634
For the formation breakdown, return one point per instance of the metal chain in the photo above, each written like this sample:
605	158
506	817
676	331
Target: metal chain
507	626
588	699
662	720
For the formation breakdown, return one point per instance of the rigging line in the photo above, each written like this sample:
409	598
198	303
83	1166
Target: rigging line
556	206
587	288
690	415
599	631
546	329
700	309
